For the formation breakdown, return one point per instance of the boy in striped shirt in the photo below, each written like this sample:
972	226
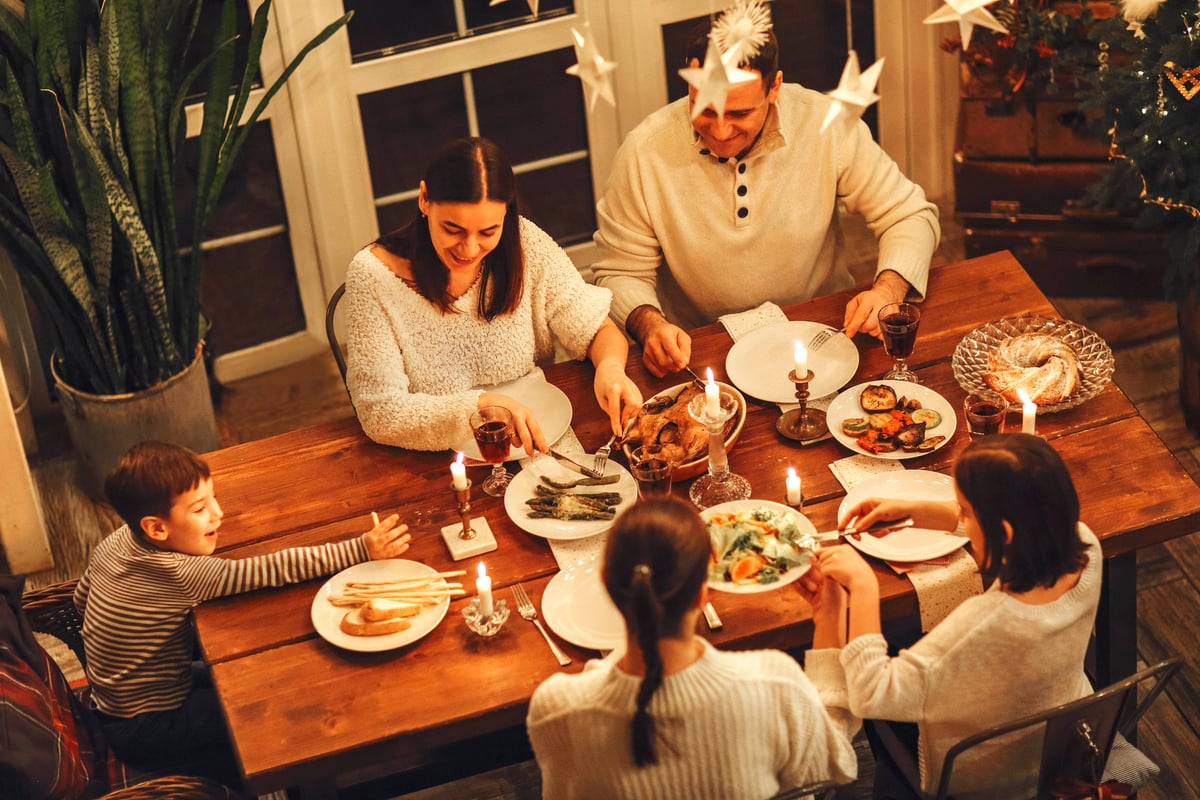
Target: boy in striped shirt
137	595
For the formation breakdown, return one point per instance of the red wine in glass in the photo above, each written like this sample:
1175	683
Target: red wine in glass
985	414
492	427
898	323
653	474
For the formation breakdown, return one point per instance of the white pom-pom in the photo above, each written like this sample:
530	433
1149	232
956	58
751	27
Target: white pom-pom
741	30
1140	10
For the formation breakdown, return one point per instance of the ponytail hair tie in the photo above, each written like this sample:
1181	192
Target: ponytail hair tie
643	569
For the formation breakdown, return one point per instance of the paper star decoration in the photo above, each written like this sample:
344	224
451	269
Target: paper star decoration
854	92
713	80
969	13
533	5
592	68
741	30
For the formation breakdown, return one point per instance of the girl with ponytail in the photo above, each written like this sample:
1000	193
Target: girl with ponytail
668	715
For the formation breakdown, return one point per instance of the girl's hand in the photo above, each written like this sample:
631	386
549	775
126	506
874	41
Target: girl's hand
387	539
618	396
828	601
931	514
526	430
843	564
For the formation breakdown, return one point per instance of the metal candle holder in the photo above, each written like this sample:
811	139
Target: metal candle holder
463	498
802	424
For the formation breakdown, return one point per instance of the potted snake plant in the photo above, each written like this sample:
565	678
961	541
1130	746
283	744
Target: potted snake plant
92	132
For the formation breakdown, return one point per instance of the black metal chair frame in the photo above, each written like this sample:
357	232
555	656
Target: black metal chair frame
331	334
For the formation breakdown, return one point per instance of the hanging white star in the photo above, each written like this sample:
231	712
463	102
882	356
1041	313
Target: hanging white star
533	5
854	92
592	68
741	30
968	13
713	80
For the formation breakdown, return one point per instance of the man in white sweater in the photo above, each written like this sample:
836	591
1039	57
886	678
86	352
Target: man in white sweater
718	214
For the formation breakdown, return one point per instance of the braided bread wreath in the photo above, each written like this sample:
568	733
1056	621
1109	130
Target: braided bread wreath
1044	366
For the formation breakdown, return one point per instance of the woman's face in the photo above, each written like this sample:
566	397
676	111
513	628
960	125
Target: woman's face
464	233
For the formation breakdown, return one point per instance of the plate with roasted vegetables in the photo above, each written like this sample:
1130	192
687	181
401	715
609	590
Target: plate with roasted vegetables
891	419
552	500
757	545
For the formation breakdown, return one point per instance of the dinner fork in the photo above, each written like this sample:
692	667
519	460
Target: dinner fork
527	611
824	336
600	460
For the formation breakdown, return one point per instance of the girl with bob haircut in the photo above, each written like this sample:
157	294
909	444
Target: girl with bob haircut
667	714
1014	650
468	295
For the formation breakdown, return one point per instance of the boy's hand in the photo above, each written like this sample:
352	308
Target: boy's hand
387	539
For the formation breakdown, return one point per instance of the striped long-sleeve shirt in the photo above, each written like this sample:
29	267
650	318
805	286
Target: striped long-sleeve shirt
137	603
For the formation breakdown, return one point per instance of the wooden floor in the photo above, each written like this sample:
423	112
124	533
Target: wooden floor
1142	335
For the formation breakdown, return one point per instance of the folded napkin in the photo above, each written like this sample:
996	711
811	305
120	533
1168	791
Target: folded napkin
940	589
743	322
853	470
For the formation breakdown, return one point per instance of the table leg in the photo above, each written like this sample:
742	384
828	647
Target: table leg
1116	620
325	790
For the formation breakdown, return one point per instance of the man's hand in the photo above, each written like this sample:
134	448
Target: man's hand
862	312
665	346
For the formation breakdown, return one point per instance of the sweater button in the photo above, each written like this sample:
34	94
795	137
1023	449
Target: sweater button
722	160
741	191
704	152
741	169
743	212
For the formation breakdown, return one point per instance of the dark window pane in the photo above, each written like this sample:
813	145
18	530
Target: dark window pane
249	292
403	127
559	200
516	100
812	45
204	41
482	17
379	27
252	197
394	215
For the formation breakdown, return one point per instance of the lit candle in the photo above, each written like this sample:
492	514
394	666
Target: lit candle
801	356
793	487
712	396
483	587
1028	412
458	474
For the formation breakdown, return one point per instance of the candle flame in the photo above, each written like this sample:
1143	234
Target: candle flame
1024	395
482	570
460	457
791	472
708	374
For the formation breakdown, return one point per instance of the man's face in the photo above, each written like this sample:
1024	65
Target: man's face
746	108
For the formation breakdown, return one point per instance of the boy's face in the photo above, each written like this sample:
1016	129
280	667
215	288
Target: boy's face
192	524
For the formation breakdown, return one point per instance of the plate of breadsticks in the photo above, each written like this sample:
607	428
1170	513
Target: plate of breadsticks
382	605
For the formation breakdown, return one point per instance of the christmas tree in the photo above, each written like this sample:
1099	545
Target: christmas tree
1147	86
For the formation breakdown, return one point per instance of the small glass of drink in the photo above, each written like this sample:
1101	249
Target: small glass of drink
898	323
652	469
493	430
985	413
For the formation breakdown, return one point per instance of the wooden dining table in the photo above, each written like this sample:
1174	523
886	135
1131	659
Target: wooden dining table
302	711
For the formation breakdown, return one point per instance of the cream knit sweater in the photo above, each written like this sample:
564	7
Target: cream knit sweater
415	374
731	234
732	725
993	659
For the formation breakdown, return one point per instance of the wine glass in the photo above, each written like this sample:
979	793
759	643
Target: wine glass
898	324
492	427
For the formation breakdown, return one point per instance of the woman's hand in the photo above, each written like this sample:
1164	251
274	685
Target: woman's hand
933	515
617	395
387	539
526	430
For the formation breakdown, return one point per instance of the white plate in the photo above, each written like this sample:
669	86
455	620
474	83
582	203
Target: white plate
577	607
520	489
846	405
733	506
547	402
909	544
326	617
760	361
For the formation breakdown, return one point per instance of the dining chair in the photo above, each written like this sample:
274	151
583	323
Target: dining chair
331	333
822	790
1077	740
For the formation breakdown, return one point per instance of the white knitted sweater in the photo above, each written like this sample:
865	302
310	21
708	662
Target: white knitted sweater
415	374
730	234
732	725
993	659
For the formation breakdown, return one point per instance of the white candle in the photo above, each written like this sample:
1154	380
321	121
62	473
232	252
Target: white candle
793	487
458	474
712	394
483	587
801	356
1028	412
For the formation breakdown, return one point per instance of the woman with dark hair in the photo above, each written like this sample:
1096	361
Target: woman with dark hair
668	715
470	294
1014	650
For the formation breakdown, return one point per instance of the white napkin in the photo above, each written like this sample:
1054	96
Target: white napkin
853	470
941	589
743	322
